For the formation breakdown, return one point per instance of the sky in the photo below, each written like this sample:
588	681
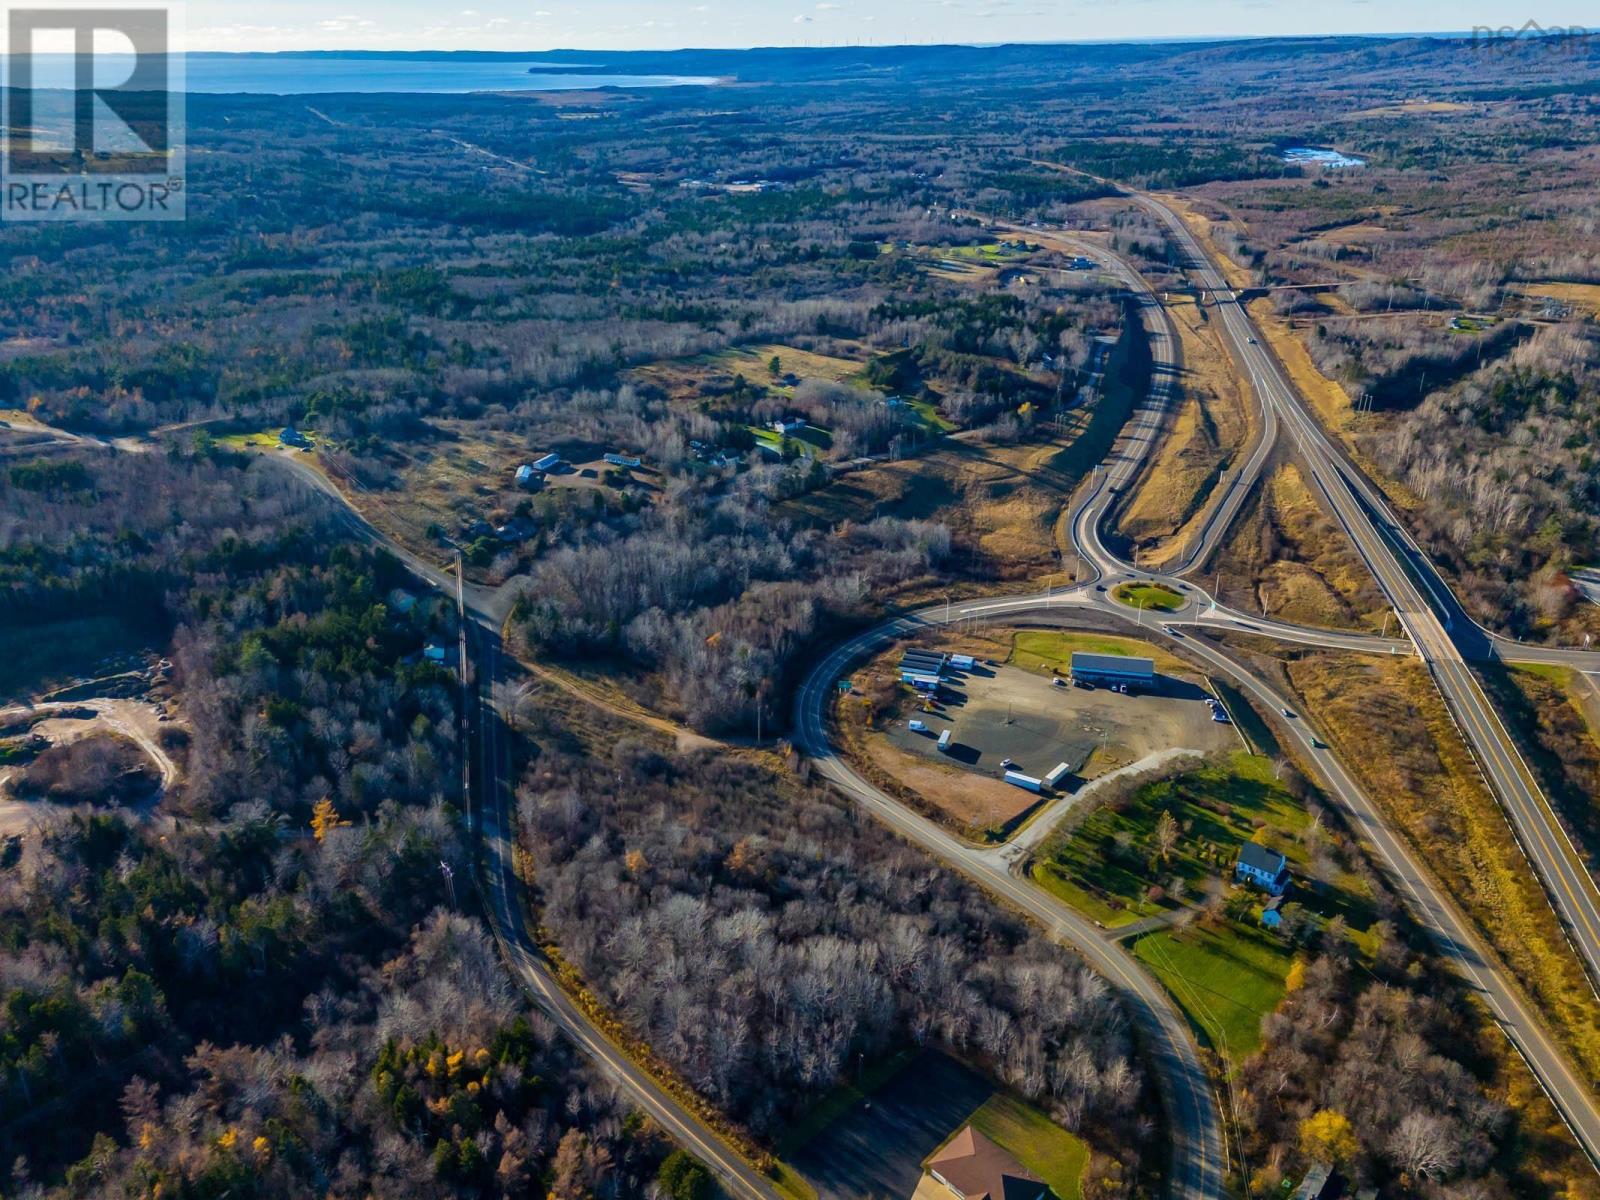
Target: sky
671	24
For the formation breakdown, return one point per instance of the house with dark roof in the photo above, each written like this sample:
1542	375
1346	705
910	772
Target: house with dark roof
1262	868
972	1167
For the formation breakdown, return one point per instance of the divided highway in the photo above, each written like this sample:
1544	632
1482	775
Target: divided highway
1429	613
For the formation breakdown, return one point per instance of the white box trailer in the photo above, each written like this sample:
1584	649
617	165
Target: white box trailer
1026	782
944	742
1060	772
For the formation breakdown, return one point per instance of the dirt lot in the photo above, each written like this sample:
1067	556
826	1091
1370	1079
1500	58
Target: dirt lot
1006	712
131	720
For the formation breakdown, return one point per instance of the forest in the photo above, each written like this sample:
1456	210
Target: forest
383	1047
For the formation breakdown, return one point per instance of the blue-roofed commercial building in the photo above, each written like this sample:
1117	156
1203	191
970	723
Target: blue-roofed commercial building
1262	868
923	669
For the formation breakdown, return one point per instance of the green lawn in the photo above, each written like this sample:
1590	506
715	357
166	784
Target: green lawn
1050	1152
1056	879
1225	979
1152	596
806	442
930	416
1105	866
1043	651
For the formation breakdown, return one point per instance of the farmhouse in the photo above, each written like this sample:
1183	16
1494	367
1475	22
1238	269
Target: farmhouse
923	669
1112	669
1262	868
971	1167
293	437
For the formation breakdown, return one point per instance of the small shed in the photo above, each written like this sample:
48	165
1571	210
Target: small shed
1272	913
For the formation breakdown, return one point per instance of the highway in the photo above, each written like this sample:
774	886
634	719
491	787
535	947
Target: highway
1431	616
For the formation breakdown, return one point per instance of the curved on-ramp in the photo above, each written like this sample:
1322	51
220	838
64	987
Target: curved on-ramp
1198	1158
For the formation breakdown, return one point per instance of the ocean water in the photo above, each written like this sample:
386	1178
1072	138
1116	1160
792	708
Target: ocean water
287	76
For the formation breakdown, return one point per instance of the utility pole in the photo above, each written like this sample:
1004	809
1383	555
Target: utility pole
449	882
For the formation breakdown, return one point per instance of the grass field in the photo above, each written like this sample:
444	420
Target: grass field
754	363
265	439
1585	296
1111	860
1225	979
1050	1152
997	498
1153	596
1411	108
1047	651
1285	554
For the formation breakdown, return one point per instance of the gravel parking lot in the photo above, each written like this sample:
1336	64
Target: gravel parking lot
996	713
